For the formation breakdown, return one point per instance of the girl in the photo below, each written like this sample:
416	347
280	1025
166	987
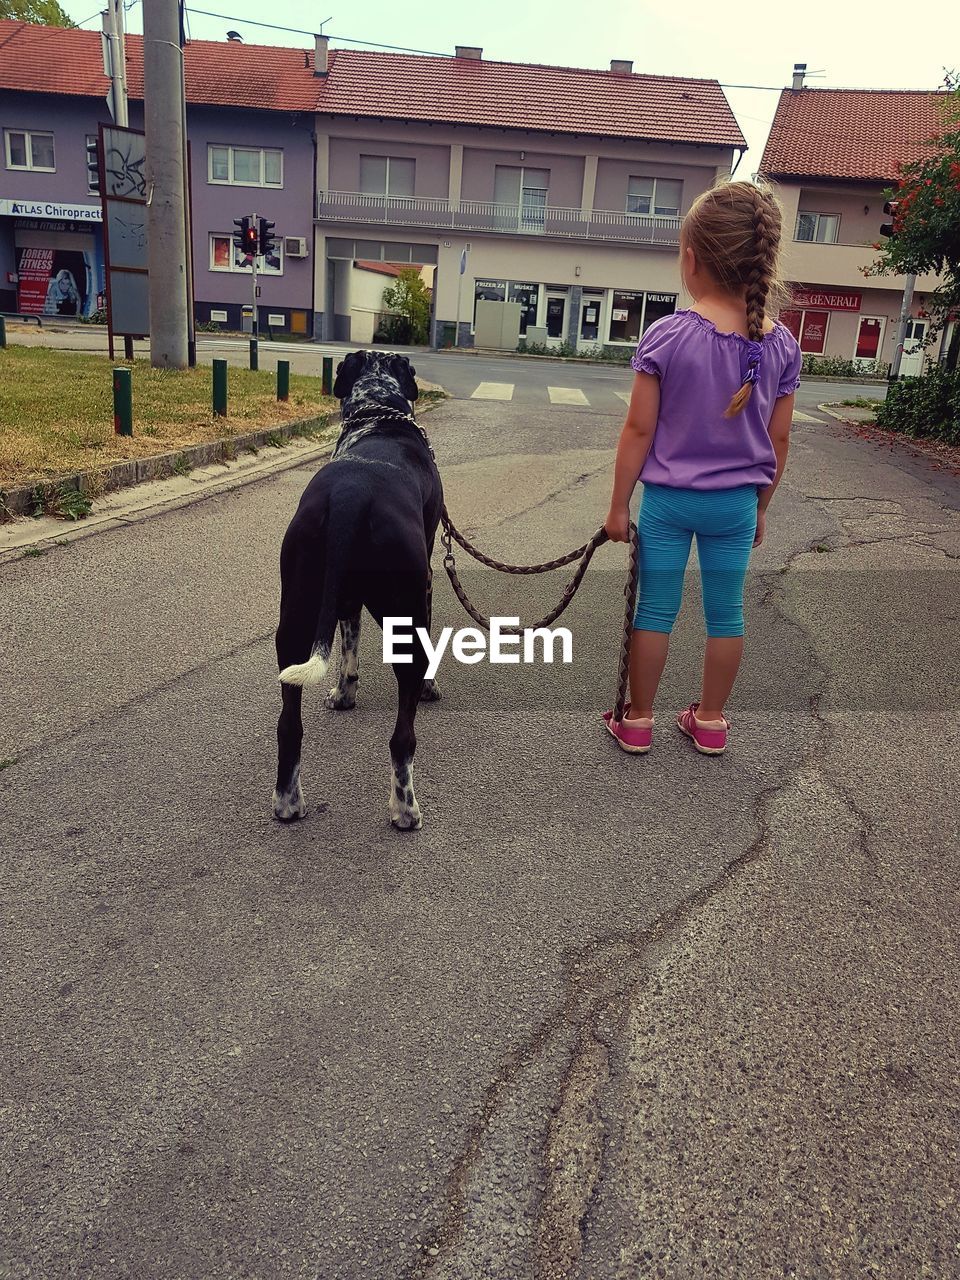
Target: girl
707	432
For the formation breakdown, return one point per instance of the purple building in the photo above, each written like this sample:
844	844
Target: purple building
250	124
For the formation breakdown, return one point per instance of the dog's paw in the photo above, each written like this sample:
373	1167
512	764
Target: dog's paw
404	811
430	691
341	699
290	805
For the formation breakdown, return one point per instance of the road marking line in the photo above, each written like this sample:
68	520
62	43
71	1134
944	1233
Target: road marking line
493	391
567	395
624	396
803	417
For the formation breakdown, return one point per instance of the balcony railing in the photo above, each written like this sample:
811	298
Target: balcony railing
510	219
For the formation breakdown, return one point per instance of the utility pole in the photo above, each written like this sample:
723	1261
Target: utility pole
166	182
905	308
112	18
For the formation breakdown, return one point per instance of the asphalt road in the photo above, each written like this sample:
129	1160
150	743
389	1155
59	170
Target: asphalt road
603	1017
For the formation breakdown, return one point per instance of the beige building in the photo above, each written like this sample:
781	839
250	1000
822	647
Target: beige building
560	189
832	154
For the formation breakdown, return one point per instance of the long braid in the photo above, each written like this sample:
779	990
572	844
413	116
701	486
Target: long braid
766	231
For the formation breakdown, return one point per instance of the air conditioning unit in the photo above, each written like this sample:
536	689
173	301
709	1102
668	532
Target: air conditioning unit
295	246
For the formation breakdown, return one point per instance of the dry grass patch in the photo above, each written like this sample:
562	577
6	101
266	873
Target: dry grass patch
56	411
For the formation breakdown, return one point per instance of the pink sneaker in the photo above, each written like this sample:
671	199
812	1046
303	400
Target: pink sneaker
708	736
636	737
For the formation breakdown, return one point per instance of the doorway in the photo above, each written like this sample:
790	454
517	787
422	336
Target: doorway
556	318
914	351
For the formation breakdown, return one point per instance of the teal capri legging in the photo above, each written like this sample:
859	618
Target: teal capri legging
725	522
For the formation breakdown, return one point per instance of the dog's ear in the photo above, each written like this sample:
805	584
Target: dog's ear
405	373
348	370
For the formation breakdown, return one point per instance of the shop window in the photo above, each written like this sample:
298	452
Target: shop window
658	306
809	328
26	150
590	317
818	228
626	314
245	166
387	176
528	296
660	196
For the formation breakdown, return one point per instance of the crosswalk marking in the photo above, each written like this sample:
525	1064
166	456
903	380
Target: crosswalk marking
803	417
624	396
493	391
567	395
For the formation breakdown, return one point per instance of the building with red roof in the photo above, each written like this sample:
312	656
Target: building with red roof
560	189
834	155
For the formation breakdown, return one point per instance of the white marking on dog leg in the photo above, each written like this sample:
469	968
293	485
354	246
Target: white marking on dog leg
291	803
343	696
404	810
310	672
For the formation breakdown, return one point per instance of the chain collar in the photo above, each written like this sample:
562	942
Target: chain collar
378	412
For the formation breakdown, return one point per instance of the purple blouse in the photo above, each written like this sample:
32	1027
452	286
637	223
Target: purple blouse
700	368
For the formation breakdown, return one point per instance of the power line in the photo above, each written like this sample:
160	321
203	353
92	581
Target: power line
302	31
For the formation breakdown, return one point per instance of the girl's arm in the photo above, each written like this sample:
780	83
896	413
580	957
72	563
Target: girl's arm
780	439
635	440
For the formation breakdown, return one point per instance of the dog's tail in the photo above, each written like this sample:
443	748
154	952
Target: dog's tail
344	522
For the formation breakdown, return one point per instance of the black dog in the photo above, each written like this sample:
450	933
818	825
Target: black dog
362	536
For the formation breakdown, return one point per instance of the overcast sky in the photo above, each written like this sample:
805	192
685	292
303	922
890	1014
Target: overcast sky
854	44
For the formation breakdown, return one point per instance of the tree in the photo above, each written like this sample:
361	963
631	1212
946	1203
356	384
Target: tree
409	302
46	13
926	223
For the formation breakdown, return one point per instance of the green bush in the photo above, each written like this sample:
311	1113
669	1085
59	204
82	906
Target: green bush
928	406
567	351
95	317
833	367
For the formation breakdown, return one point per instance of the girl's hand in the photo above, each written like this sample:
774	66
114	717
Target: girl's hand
617	524
761	528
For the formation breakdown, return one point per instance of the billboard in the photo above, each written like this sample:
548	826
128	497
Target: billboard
56	282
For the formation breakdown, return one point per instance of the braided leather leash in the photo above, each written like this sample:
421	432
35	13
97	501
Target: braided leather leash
583	554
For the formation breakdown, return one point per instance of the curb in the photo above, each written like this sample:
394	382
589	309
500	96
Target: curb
22	500
831	412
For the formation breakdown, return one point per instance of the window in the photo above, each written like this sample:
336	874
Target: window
625	316
29	150
528	295
523	190
245	166
489	291
225	256
660	196
633	312
809	328
387	176
820	228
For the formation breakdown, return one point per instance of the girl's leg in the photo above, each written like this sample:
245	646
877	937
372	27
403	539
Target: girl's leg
664	551
723	548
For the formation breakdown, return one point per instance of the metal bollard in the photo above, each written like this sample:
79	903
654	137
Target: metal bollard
123	402
283	379
254	354
3	332
219	388
326	382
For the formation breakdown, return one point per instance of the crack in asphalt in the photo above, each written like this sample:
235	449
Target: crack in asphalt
574	1149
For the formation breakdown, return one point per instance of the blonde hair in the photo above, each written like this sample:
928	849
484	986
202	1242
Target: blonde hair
734	231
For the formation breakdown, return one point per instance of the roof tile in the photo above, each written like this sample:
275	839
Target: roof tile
860	135
502	95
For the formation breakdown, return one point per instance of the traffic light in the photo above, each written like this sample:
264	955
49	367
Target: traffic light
250	238
267	237
240	236
93	165
889	228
